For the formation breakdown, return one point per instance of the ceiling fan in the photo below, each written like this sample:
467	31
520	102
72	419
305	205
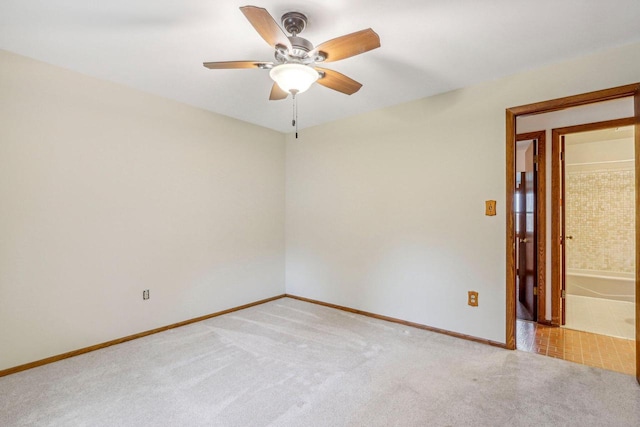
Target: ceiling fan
294	69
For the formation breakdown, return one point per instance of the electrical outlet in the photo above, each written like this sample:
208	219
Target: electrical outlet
145	294
473	299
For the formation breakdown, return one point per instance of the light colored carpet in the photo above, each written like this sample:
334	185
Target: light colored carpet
291	363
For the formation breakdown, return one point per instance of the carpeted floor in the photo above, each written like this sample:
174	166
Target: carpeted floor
291	363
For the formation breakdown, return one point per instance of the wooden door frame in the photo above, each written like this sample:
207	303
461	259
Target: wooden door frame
557	194
632	90
541	218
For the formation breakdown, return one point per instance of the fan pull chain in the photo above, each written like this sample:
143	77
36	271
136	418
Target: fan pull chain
294	122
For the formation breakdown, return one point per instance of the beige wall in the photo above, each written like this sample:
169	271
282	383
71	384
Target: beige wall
106	191
385	211
605	154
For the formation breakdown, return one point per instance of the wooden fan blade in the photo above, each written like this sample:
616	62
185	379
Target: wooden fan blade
225	65
277	93
337	81
266	26
349	45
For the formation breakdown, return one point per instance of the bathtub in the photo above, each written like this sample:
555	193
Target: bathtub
601	284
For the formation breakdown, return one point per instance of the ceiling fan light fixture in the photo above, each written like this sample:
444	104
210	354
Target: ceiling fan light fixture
294	78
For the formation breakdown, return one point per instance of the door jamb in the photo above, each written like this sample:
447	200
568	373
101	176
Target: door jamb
544	107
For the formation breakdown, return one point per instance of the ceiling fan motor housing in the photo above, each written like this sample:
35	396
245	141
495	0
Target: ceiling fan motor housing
300	44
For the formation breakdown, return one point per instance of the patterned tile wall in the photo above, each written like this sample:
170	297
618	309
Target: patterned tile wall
600	210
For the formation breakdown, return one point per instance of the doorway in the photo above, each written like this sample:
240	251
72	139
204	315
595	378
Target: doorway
595	200
511	265
530	224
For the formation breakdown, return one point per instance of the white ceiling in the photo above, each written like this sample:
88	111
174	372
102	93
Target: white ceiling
428	46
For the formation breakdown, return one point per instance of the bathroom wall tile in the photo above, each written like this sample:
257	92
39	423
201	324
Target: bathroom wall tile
600	210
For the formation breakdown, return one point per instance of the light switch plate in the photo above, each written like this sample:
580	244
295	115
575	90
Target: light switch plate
490	207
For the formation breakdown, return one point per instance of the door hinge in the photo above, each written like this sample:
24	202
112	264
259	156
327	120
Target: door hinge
563	294
535	291
535	158
562	156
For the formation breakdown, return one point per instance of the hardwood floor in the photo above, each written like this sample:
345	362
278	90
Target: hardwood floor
601	351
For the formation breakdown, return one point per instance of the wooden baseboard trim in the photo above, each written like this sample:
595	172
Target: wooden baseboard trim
52	359
402	322
73	353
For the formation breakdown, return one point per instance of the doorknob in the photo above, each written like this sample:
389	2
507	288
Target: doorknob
525	240
569	237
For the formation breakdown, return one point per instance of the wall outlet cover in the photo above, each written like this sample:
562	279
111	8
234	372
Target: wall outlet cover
473	299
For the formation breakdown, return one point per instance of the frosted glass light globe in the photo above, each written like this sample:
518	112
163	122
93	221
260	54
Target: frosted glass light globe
294	78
